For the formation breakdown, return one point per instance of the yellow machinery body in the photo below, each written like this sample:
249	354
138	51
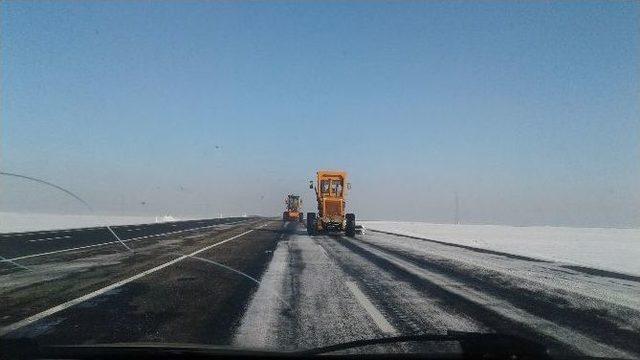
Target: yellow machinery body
331	191
294	208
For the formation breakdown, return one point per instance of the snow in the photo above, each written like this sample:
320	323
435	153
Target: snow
602	248
21	222
491	293
601	293
262	315
300	283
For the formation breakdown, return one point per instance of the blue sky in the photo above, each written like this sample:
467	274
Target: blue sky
529	111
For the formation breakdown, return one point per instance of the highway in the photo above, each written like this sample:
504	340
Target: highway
29	244
256	282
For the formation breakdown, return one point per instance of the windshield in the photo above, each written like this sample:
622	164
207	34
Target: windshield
293	201
325	186
289	175
336	187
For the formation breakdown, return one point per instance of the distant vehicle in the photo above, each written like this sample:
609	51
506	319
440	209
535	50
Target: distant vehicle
294	209
331	188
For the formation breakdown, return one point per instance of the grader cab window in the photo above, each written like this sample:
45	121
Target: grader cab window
324	186
331	187
336	187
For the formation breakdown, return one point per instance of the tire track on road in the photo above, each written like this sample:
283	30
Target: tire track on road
398	297
496	313
550	306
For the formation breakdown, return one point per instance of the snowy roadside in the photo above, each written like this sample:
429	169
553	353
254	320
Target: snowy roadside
603	248
20	222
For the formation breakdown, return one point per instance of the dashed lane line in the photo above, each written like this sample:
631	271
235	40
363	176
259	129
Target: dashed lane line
373	312
324	252
111	242
50	238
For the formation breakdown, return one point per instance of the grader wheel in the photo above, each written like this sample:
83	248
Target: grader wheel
350	228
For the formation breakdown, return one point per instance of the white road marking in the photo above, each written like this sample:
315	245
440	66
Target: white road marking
50	238
14	263
501	307
44	232
324	252
373	312
60	251
41	315
112	242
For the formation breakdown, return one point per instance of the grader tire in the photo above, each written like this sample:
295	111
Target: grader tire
350	228
311	223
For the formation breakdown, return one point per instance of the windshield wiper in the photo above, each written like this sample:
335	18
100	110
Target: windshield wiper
473	345
486	345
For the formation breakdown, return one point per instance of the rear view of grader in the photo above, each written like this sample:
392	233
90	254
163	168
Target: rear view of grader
294	208
331	190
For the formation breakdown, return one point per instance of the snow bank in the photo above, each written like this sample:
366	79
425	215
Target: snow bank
19	222
603	248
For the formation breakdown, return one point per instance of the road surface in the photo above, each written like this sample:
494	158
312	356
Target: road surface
254	282
29	244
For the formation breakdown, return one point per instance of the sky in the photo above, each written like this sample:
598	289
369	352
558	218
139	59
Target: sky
529	112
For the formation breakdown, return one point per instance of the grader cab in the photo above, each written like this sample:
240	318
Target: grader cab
331	190
294	208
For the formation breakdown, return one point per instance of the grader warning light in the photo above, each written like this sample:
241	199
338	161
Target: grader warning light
331	190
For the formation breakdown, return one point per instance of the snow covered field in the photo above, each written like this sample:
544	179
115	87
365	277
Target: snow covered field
19	222
602	248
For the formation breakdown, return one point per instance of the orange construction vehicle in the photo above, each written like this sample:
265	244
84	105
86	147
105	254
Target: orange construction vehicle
294	208
331	190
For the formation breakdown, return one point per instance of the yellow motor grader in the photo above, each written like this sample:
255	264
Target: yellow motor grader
294	208
331	190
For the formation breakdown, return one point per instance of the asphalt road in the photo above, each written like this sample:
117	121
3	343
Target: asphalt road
27	244
261	283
